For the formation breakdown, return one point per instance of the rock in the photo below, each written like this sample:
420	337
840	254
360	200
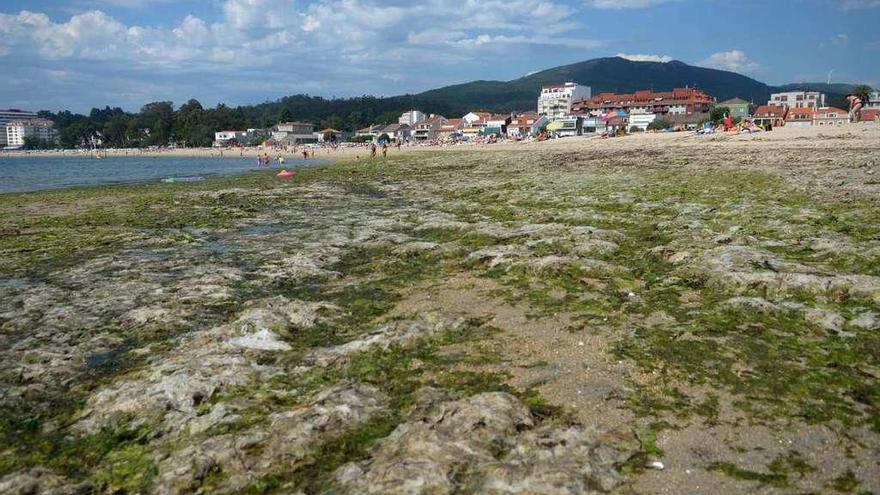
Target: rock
401	333
263	340
284	439
424	454
486	443
869	320
826	320
40	481
202	364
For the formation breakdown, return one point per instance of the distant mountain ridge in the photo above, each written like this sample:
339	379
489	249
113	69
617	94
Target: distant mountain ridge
614	74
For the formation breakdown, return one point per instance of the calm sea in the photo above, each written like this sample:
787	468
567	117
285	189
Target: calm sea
38	173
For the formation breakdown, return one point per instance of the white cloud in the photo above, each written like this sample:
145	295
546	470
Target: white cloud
733	60
274	47
639	57
860	4
623	4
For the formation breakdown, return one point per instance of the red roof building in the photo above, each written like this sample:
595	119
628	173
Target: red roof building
680	101
770	115
830	116
799	117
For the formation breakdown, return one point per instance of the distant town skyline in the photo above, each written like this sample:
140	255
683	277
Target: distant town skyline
77	55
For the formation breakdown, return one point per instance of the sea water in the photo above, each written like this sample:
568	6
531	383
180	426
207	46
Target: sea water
34	173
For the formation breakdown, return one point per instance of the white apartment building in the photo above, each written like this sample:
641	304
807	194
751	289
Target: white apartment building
798	99
223	138
18	130
873	100
555	100
642	119
12	114
412	118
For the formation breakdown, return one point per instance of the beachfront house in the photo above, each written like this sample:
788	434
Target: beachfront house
497	125
472	117
526	124
641	119
397	132
451	128
10	115
769	116
799	117
293	133
873	101
798	99
411	118
373	131
679	101
223	139
428	129
871	115
738	107
568	126
830	116
329	135
555	101
17	131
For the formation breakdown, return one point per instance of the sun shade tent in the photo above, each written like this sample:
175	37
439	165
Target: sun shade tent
555	125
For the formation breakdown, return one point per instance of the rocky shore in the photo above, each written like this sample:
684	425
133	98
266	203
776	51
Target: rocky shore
662	314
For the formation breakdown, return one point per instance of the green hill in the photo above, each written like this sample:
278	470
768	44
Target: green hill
613	74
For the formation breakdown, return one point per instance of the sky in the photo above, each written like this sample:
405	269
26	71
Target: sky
79	54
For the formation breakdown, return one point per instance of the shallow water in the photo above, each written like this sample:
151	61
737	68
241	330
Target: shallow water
38	173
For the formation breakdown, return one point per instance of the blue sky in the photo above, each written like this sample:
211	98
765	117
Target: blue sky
76	54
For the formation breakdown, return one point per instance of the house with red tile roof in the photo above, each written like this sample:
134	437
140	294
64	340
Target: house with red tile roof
679	101
830	116
451	127
799	117
871	115
770	116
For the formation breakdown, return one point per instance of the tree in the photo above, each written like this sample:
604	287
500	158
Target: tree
284	115
659	125
717	114
158	117
863	91
634	129
35	143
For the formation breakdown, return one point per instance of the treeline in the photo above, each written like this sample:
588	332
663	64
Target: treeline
192	125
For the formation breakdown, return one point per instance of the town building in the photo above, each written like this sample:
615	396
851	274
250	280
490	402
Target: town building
798	99
739	108
329	135
871	115
568	126
225	138
769	116
679	101
398	132
472	117
830	116
18	130
526	124
411	118
374	130
452	127
799	117
873	100
9	115
293	133
428	129
641	119
555	101
497	124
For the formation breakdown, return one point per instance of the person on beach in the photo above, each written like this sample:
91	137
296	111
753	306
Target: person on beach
373	150
384	150
305	155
